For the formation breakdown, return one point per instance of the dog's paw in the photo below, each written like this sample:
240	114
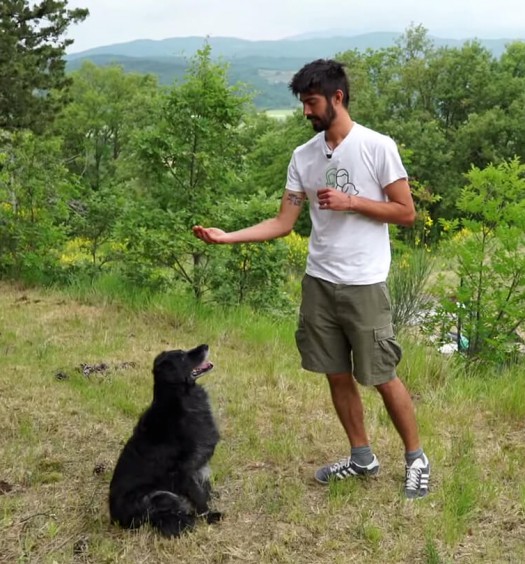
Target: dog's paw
214	517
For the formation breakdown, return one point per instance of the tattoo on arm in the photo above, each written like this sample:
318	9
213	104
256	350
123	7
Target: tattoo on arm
295	200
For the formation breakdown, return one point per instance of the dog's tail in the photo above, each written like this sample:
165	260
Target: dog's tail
169	513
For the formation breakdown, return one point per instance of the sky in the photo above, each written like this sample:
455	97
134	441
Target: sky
119	21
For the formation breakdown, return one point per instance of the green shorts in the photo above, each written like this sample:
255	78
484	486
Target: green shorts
347	329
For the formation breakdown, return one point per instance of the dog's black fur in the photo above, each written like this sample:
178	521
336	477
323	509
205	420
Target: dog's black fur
162	475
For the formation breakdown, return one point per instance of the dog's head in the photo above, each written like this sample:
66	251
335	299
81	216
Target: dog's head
180	367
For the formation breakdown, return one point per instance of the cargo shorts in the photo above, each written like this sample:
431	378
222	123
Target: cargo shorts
347	328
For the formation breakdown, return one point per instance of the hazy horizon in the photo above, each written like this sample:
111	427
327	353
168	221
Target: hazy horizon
121	21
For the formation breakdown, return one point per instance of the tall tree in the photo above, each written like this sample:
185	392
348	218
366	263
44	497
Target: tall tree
107	107
186	161
450	108
32	66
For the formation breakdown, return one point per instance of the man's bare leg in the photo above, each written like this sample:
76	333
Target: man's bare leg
349	407
399	405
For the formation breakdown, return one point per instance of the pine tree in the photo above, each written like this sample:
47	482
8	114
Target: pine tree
33	81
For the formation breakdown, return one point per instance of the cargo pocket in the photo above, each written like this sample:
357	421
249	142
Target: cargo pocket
387	352
300	332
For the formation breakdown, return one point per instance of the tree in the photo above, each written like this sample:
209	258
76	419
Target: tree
252	273
34	189
186	162
487	302
267	162
450	107
92	222
32	66
108	106
465	85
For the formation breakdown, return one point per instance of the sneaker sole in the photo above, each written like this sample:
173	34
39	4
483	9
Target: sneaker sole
372	474
419	496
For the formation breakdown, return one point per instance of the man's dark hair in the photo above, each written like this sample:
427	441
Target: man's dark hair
323	76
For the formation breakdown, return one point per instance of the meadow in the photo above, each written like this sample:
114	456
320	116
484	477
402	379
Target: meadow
75	373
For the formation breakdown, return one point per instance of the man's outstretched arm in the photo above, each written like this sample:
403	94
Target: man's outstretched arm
277	226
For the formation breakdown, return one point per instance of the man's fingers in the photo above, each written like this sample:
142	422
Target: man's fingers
200	232
204	234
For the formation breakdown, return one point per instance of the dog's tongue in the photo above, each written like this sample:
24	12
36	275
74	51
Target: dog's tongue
206	366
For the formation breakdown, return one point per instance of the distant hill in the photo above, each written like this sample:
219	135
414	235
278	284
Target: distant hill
266	66
267	77
234	48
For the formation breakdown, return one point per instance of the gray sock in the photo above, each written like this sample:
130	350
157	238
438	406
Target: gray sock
362	455
413	455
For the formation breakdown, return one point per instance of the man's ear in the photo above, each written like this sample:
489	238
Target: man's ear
338	97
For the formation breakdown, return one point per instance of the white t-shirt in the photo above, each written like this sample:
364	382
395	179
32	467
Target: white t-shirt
346	247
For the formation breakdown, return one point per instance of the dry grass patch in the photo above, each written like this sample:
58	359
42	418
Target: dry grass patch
62	428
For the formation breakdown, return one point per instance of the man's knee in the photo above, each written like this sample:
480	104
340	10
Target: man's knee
389	386
341	381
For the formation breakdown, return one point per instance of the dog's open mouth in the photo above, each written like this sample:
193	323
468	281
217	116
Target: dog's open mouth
206	366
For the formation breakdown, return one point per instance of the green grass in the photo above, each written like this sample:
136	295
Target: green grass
60	438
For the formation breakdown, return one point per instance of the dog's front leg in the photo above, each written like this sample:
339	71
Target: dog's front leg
198	493
202	492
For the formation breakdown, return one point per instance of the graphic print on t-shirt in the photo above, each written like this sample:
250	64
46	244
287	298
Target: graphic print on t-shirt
339	179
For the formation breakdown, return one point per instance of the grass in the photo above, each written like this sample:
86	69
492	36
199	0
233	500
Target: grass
61	432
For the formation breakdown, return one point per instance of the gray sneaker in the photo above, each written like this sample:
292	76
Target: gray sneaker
417	477
346	468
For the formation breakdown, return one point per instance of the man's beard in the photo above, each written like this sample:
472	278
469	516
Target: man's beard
325	121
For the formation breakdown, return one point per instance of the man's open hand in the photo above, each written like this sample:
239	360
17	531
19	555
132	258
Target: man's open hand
211	234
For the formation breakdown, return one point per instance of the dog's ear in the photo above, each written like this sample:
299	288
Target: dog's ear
160	359
165	366
172	367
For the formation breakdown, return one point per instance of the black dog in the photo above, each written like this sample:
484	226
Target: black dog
162	475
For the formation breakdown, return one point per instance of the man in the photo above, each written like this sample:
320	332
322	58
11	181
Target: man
357	185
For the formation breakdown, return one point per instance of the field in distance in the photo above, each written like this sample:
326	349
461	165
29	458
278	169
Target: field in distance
280	113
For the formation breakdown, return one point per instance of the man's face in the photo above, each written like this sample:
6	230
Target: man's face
318	110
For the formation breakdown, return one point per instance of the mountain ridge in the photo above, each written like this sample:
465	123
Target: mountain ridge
234	46
266	65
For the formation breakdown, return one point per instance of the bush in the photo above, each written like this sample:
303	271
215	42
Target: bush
484	300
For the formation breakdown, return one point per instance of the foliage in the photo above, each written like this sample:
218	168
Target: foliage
297	252
132	167
34	189
93	221
407	282
269	159
32	66
423	232
487	299
107	108
451	107
267	163
252	274
189	159
158	247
